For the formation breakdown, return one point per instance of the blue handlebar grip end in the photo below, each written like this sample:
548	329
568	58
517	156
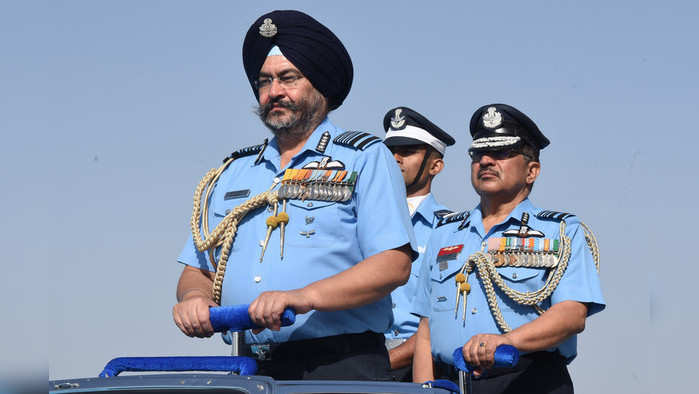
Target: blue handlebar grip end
505	356
288	317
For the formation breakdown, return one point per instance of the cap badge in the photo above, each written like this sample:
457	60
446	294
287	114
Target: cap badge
492	119
267	28
397	121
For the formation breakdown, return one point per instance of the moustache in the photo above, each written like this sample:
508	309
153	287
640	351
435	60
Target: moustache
279	103
487	172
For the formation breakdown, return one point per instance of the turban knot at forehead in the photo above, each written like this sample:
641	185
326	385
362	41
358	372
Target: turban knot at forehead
308	45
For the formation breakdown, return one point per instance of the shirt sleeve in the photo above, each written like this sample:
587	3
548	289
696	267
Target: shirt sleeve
581	281
383	219
422	305
192	257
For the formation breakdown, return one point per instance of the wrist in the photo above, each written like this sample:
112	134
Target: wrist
310	297
510	339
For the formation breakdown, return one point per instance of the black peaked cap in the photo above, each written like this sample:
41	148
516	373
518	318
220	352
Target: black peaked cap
397	119
308	45
502	120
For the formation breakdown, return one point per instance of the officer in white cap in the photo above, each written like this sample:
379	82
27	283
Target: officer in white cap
418	146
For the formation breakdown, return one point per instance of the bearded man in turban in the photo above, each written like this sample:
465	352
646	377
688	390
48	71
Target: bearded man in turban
314	219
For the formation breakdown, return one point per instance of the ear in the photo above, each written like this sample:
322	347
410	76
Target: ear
533	169
436	165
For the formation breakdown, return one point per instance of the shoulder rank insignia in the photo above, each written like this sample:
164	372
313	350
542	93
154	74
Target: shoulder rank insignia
455	217
248	151
323	142
356	139
553	215
524	230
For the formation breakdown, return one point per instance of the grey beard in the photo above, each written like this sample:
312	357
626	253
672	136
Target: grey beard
303	116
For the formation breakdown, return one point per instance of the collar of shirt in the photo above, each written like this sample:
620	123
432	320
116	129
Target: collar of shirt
425	211
512	218
414	203
273	155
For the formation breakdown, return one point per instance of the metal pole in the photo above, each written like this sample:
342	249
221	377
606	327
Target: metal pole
465	382
235	349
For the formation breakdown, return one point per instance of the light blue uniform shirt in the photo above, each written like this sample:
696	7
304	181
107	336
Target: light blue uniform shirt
437	287
424	220
322	238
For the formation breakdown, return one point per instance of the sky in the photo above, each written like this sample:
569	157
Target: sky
112	111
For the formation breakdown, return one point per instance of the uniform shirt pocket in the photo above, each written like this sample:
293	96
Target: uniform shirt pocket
443	288
519	274
316	223
523	280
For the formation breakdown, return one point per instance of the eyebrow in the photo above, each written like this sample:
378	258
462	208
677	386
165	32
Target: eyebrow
285	71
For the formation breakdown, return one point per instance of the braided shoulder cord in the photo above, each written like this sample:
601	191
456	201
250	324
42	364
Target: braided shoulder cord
591	243
488	274
237	215
225	231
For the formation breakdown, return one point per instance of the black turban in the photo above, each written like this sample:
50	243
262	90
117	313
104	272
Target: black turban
308	45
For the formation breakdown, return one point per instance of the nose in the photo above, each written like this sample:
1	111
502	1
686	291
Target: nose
485	160
275	88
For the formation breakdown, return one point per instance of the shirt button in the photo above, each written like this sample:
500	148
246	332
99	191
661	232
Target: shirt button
262	243
396	332
393	305
276	179
258	279
514	275
309	205
474	311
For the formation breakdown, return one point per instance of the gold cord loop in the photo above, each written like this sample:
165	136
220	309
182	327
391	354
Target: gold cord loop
488	275
225	231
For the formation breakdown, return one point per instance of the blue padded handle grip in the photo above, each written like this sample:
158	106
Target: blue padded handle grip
505	356
236	318
238	364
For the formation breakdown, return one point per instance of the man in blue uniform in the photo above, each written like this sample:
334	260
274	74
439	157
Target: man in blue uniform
506	272
418	146
315	220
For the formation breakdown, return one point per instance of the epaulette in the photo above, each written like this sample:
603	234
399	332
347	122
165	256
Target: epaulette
356	139
248	151
553	215
455	217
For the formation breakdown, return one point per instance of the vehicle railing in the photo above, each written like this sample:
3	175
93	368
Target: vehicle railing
222	318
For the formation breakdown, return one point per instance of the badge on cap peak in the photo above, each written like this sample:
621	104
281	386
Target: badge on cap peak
492	119
267	28
397	121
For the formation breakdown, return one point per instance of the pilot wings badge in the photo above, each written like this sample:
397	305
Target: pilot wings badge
398	120
327	163
492	119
